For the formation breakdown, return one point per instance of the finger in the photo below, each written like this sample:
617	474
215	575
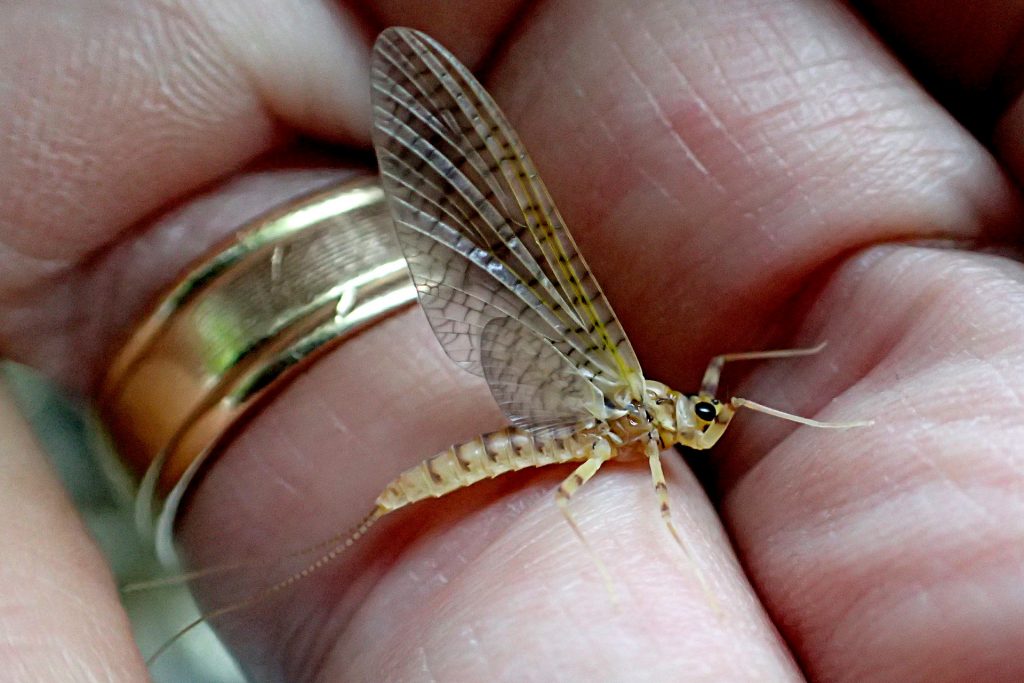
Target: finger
61	615
895	552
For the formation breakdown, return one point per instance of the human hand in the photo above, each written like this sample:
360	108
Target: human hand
739	176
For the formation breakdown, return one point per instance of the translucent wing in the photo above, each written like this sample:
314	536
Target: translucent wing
479	230
536	386
432	114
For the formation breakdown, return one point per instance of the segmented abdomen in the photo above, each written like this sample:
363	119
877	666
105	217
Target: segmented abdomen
484	457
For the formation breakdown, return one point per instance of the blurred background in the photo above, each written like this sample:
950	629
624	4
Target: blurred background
76	446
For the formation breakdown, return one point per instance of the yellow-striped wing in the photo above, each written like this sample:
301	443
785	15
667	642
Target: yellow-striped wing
482	236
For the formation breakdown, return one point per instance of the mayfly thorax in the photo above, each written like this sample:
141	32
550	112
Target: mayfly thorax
510	298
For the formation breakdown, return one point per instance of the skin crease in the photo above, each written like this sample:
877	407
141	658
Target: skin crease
739	175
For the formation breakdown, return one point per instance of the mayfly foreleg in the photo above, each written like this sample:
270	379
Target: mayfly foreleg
738	402
709	385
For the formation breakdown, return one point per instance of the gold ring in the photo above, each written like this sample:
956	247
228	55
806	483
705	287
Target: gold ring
236	327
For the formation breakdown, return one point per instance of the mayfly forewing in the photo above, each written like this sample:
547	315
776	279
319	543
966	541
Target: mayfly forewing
449	223
444	150
548	240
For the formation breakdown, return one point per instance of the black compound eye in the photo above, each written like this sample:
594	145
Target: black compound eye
705	411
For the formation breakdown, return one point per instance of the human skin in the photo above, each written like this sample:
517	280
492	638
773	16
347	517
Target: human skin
740	175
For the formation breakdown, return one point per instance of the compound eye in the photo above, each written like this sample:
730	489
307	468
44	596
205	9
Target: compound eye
705	411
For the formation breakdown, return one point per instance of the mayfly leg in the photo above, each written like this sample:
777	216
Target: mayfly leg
580	476
709	385
661	489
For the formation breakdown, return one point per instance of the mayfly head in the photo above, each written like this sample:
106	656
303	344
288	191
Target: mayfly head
705	419
697	421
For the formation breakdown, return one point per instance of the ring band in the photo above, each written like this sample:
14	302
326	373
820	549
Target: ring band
289	286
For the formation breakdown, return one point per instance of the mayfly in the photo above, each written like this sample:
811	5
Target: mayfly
510	298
